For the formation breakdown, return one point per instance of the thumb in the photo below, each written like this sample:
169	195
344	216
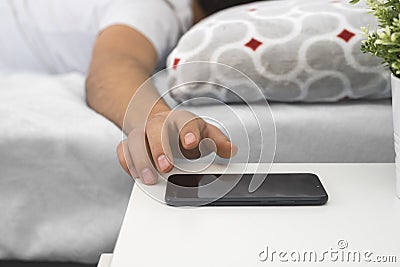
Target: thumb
125	159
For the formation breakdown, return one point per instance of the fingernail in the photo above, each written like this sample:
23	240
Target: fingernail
163	162
190	138
148	177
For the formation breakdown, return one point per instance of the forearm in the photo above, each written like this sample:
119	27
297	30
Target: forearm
118	88
113	82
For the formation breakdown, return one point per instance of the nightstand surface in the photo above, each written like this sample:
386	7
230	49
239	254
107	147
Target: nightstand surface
362	216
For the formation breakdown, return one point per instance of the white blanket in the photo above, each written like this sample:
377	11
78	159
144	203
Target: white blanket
62	192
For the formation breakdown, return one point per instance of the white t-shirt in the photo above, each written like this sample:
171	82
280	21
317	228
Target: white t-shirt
55	36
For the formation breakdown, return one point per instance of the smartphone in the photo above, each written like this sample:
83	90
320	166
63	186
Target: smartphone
278	189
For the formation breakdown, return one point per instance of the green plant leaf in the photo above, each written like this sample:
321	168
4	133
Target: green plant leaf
384	41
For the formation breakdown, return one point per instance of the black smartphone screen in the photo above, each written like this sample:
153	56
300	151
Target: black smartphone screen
278	189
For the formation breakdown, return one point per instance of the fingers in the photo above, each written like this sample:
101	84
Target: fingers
137	159
139	155
125	159
190	135
190	127
158	138
121	157
225	149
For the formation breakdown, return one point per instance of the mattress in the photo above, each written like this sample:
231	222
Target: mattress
353	131
63	194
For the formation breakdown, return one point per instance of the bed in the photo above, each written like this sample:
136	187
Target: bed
63	194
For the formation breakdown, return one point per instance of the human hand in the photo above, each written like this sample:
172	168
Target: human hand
148	147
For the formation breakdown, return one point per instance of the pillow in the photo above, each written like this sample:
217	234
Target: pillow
306	50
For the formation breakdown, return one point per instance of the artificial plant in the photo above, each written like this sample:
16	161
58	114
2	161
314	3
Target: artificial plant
384	42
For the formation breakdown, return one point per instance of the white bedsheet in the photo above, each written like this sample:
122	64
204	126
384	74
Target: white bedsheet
63	194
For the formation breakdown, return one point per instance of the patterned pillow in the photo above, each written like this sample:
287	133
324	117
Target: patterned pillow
305	50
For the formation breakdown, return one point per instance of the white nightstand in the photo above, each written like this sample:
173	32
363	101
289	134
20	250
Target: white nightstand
105	260
362	217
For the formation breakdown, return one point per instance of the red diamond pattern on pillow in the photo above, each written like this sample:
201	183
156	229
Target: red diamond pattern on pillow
253	44
176	62
346	35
